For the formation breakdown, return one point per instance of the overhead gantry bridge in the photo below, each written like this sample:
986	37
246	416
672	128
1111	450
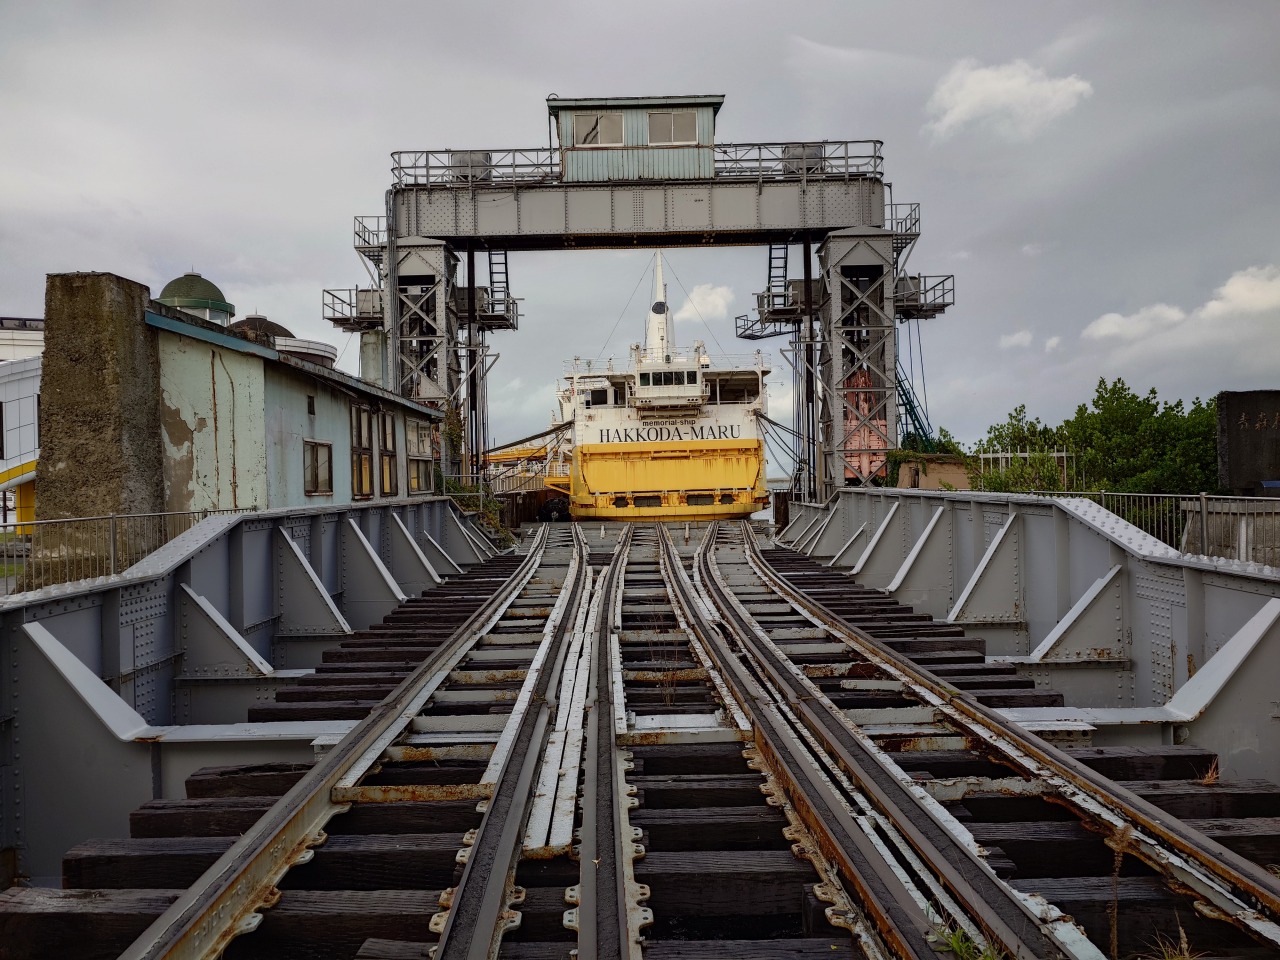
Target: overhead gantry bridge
619	179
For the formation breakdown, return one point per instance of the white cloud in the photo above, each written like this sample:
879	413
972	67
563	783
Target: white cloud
712	303
1251	290
1245	295
1134	326
1032	249
1228	342
1015	99
1052	344
1020	339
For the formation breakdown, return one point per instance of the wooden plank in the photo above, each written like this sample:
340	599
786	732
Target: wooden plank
380	862
1222	799
810	948
249	780
1145	763
712	828
1255	838
160	863
203	817
85	924
692	790
725	883
328	925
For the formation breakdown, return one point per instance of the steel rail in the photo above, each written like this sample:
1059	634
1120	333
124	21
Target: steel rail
1233	889
479	911
605	930
224	902
1004	918
904	926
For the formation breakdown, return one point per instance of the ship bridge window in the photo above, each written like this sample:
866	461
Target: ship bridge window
599	398
678	127
644	379
597	129
731	392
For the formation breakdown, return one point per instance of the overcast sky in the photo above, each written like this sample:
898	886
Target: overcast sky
1103	179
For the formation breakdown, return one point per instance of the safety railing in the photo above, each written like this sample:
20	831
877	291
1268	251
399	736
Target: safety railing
1235	528
805	160
42	553
808	160
916	291
370	231
355	306
474	167
902	218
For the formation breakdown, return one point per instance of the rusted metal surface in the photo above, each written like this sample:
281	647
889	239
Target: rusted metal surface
1237	890
413	793
224	901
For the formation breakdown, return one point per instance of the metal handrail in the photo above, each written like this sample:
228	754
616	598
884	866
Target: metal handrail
789	160
42	553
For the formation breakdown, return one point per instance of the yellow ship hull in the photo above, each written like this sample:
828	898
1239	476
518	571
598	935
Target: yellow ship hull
673	480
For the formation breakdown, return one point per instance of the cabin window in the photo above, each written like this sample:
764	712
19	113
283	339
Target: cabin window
417	445
691	377
644	380
317	468
679	378
678	127
390	475
361	452
600	398
597	129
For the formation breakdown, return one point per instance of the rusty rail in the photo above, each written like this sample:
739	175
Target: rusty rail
1227	885
225	901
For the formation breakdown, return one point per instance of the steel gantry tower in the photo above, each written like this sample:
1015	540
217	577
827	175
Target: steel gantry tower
647	171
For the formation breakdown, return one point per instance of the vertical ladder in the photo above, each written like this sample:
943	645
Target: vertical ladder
777	275
498	289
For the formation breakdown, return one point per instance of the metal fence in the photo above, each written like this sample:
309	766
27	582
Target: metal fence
804	160
1237	528
42	553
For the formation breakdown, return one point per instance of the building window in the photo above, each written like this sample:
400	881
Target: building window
317	468
680	127
311	405
417	445
390	475
597	129
361	452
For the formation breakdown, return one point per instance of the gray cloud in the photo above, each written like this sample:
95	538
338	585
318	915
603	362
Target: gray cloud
145	138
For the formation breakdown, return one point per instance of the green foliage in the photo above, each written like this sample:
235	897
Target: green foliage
1121	442
956	940
1131	444
475	497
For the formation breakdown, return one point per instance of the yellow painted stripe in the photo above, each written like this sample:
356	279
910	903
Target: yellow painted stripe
17	473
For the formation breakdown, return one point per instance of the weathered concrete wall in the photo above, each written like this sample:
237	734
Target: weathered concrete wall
99	411
212	403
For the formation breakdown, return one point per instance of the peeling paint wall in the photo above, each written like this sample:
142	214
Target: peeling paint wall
288	425
212	428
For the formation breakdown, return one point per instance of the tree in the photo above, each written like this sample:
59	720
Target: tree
1120	442
1131	444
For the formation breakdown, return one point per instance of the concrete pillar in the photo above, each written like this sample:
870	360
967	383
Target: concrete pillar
100	450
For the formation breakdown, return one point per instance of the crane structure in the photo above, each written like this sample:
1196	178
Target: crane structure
648	172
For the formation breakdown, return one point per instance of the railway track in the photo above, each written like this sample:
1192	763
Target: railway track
649	742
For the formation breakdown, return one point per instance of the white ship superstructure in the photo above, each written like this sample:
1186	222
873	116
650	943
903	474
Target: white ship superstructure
675	435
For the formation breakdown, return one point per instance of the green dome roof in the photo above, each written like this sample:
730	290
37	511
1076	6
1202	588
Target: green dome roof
193	290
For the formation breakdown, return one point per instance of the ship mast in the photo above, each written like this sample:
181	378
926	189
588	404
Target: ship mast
657	333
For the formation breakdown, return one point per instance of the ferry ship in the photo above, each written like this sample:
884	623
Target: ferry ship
675	436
